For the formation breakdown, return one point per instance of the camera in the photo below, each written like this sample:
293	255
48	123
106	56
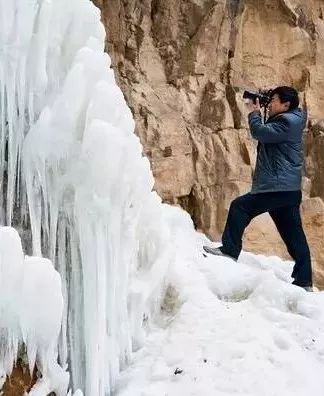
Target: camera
264	96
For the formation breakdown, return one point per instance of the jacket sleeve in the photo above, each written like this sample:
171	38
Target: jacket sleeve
272	132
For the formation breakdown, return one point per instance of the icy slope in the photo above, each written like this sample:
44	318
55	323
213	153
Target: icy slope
231	329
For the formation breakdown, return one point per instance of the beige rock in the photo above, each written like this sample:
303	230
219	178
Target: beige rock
313	219
179	63
315	158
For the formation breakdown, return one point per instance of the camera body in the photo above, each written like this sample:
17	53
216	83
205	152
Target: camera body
264	96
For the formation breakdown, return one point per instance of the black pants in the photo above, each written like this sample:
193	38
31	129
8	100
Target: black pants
283	207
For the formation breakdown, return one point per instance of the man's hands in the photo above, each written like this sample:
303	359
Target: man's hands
253	106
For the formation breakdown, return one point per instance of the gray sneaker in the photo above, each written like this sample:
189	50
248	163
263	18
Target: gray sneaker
217	252
308	288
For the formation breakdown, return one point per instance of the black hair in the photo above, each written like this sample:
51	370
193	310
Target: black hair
287	94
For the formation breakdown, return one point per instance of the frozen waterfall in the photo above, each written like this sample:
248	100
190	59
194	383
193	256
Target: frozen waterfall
71	169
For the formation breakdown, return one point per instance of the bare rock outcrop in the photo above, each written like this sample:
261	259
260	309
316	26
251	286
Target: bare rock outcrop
179	63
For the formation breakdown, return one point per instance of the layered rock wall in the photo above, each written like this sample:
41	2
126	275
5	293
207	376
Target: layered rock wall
180	63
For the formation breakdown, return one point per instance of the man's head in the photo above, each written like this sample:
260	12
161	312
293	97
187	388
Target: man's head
283	99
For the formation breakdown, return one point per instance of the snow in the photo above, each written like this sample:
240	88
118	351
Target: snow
231	329
135	299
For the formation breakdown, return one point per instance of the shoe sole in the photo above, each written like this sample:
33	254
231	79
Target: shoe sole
206	249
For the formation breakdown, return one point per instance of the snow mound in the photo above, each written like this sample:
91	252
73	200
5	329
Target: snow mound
31	307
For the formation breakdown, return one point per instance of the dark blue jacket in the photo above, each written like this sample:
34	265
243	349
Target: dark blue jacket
280	151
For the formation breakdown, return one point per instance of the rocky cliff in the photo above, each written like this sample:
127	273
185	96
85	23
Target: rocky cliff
180	64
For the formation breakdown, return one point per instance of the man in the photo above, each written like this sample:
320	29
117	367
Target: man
276	186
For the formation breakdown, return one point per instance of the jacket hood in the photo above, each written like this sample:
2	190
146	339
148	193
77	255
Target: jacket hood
298	112
298	116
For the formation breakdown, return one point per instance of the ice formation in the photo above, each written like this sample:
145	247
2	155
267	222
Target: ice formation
31	307
73	167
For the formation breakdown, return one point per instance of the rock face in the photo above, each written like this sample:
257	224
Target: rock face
20	381
179	63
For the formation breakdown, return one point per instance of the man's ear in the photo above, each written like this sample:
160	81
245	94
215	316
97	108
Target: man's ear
287	105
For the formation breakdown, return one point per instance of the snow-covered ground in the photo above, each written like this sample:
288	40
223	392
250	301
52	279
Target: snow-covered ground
231	329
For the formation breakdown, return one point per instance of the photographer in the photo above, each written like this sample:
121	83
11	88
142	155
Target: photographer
276	186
